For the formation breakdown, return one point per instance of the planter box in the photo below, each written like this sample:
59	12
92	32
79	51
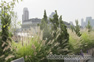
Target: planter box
91	60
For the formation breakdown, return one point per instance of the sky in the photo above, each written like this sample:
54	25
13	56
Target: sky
69	9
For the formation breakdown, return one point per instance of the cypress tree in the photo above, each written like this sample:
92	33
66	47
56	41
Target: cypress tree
60	35
63	38
89	27
45	16
44	26
54	21
72	28
43	21
77	28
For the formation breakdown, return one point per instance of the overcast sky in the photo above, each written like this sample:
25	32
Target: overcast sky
69	9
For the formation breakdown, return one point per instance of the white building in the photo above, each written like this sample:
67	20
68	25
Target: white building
31	23
26	22
25	15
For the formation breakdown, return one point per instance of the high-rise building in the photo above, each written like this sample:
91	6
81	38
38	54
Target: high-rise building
25	15
84	23
26	22
88	19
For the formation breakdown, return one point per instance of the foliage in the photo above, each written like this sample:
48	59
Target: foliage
77	28
14	24
55	21
84	42
6	14
60	35
44	21
45	26
58	43
45	17
89	27
33	49
74	41
72	28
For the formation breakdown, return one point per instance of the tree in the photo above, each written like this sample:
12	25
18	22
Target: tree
43	21
72	28
45	17
60	35
44	26
55	21
63	38
77	28
89	27
6	14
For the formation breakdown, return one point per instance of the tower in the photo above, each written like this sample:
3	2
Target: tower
88	19
82	23
25	15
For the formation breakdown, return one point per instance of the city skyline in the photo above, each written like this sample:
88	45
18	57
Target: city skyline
84	22
69	9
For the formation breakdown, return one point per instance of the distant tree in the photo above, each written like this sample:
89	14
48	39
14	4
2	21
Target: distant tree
88	26
44	26
72	28
45	16
77	28
43	21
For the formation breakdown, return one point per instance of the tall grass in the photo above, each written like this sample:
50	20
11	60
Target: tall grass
33	49
84	42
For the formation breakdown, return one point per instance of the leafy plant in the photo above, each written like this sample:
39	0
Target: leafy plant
6	14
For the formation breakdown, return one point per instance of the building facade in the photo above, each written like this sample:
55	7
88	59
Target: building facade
28	23
31	23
